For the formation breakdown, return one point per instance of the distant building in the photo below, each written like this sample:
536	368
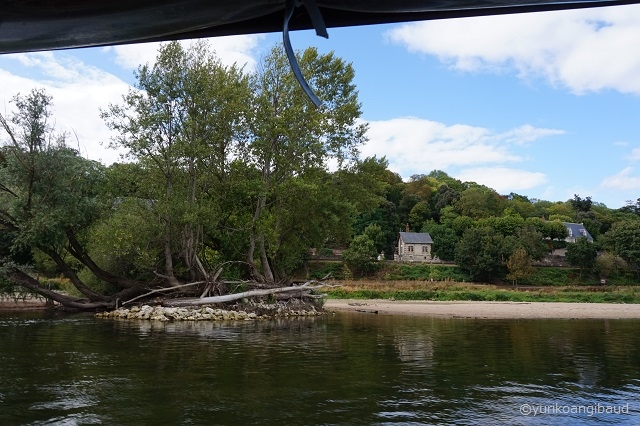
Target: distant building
575	231
414	247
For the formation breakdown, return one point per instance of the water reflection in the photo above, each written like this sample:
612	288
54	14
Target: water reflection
342	369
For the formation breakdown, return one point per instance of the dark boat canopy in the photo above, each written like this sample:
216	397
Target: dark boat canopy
32	25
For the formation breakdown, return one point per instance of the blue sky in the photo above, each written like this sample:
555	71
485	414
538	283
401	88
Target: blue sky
546	105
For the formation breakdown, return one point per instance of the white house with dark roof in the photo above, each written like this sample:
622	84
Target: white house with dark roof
575	231
414	247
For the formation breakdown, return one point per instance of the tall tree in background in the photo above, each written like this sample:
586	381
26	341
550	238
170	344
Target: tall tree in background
623	239
582	254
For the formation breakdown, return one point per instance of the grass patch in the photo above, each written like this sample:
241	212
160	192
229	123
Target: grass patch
482	292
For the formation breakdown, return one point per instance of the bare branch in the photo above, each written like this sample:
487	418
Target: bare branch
246	294
160	290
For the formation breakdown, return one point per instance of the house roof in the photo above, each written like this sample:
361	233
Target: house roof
577	230
416	237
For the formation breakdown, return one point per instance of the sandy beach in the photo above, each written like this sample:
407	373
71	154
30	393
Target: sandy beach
490	310
9	304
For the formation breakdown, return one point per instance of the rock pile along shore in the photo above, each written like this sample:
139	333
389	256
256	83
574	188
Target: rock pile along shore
207	313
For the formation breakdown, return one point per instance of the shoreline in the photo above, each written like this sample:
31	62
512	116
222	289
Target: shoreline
23	305
488	310
449	309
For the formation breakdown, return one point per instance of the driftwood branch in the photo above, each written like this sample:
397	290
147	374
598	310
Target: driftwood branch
160	290
245	294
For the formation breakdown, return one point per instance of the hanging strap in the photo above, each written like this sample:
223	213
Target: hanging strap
321	30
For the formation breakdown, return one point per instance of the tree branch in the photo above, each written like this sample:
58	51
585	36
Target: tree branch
242	295
160	290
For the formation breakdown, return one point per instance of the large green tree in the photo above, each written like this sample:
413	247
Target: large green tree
49	200
183	123
292	143
582	254
482	252
623	239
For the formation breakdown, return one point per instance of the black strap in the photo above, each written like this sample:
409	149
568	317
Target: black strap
321	30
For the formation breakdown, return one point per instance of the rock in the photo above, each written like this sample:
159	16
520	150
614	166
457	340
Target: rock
256	311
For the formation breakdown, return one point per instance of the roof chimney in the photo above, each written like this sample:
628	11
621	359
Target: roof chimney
407	227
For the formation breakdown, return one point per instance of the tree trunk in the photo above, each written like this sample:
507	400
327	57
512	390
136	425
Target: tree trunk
32	284
235	296
79	253
69	273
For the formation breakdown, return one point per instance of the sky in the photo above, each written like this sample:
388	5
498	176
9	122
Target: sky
545	105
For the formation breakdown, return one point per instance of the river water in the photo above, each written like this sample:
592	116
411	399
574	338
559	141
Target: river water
342	369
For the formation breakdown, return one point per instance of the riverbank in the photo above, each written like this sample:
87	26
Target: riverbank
8	304
489	310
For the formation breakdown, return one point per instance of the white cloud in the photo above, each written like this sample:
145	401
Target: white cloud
584	50
635	154
78	92
230	50
502	179
623	180
527	133
414	145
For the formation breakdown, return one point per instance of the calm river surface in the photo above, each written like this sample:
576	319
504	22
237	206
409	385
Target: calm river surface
348	368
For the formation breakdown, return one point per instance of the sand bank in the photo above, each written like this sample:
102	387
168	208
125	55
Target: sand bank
494	310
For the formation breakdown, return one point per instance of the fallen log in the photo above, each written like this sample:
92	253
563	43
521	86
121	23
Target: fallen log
195	301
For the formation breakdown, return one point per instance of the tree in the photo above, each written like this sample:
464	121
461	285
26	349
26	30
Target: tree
49	200
361	254
482	253
508	224
581	204
419	214
608	264
532	241
479	202
291	143
582	254
444	196
373	190
183	123
444	240
624	240
519	266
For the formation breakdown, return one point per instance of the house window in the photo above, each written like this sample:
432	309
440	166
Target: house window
410	249
570	232
583	232
425	249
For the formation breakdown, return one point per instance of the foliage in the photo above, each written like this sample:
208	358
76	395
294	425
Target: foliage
481	252
582	254
424	272
182	123
624	240
361	254
444	240
49	197
291	143
607	265
519	266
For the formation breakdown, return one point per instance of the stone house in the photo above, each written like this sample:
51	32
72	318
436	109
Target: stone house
414	247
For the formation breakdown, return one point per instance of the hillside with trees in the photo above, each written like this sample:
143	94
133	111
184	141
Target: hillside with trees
231	178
